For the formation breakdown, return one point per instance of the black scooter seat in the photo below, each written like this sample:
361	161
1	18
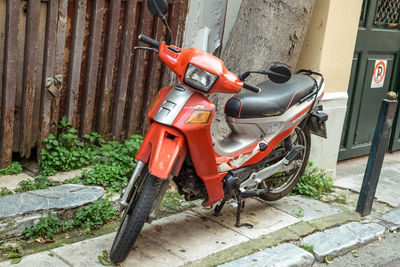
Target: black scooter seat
273	100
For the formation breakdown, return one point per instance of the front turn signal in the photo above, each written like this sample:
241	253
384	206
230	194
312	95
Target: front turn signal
199	117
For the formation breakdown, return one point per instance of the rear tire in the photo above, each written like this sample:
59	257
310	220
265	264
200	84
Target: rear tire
135	215
286	184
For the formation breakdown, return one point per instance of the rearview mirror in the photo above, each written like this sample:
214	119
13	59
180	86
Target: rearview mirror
158	7
279	73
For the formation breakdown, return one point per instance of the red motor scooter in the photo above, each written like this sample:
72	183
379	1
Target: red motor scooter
264	155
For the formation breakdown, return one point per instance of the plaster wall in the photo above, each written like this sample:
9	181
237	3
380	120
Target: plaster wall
330	41
328	48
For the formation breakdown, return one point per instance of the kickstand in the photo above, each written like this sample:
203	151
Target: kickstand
218	208
239	209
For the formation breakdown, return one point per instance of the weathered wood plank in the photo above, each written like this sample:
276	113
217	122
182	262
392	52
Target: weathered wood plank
140	65
78	31
153	76
58	64
92	67
9	83
108	67
123	69
46	97
29	77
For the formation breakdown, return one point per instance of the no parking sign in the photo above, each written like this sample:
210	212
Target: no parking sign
378	76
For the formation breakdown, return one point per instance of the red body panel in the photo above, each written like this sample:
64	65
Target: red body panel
164	149
199	142
227	82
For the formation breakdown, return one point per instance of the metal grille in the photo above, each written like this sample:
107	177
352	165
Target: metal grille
388	13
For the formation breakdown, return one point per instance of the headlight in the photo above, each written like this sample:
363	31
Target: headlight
199	79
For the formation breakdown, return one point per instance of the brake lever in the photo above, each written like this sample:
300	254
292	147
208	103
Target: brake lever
146	48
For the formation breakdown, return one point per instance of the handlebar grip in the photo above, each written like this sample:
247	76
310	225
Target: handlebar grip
251	87
149	41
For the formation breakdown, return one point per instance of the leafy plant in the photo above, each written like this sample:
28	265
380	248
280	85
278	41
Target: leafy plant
309	248
46	227
111	177
65	152
313	183
299	212
41	182
96	214
114	164
5	192
89	218
14	169
73	180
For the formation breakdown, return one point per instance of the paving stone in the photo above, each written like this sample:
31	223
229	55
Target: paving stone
62	176
38	260
186	234
394	218
335	220
58	197
264	218
15	226
302	228
284	255
339	240
311	209
11	181
350	175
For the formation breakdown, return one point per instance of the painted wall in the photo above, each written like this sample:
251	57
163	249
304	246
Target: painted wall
330	41
328	48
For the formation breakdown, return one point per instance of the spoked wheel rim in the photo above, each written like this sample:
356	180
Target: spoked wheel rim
281	181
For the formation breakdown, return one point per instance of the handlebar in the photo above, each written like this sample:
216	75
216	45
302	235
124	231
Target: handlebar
253	88
149	41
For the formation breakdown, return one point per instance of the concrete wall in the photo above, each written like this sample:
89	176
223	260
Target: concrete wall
328	48
205	24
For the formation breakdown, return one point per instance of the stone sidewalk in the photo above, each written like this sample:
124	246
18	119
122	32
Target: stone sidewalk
197	238
193	235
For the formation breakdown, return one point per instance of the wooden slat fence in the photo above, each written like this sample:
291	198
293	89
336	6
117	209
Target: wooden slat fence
76	58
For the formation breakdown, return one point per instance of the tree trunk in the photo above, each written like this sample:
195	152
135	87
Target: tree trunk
265	32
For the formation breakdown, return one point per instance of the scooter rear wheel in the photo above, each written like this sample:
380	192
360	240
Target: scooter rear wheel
282	184
134	217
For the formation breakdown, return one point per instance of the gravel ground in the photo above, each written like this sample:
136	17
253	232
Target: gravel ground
385	252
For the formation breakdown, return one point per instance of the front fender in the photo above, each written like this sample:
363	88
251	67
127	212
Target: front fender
164	149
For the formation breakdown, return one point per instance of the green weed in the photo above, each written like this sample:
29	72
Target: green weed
73	180
41	182
313	183
96	214
113	162
5	192
46	227
65	152
88	218
14	169
299	212
307	247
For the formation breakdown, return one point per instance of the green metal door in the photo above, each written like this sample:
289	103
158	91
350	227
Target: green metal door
375	70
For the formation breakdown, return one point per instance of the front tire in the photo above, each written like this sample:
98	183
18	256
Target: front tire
282	184
135	215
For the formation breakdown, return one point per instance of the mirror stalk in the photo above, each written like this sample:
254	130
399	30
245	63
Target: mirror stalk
169	34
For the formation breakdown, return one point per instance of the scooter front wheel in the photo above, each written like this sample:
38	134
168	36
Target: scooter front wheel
135	215
281	184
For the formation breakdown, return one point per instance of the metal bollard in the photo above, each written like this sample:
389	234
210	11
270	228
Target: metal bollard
377	154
